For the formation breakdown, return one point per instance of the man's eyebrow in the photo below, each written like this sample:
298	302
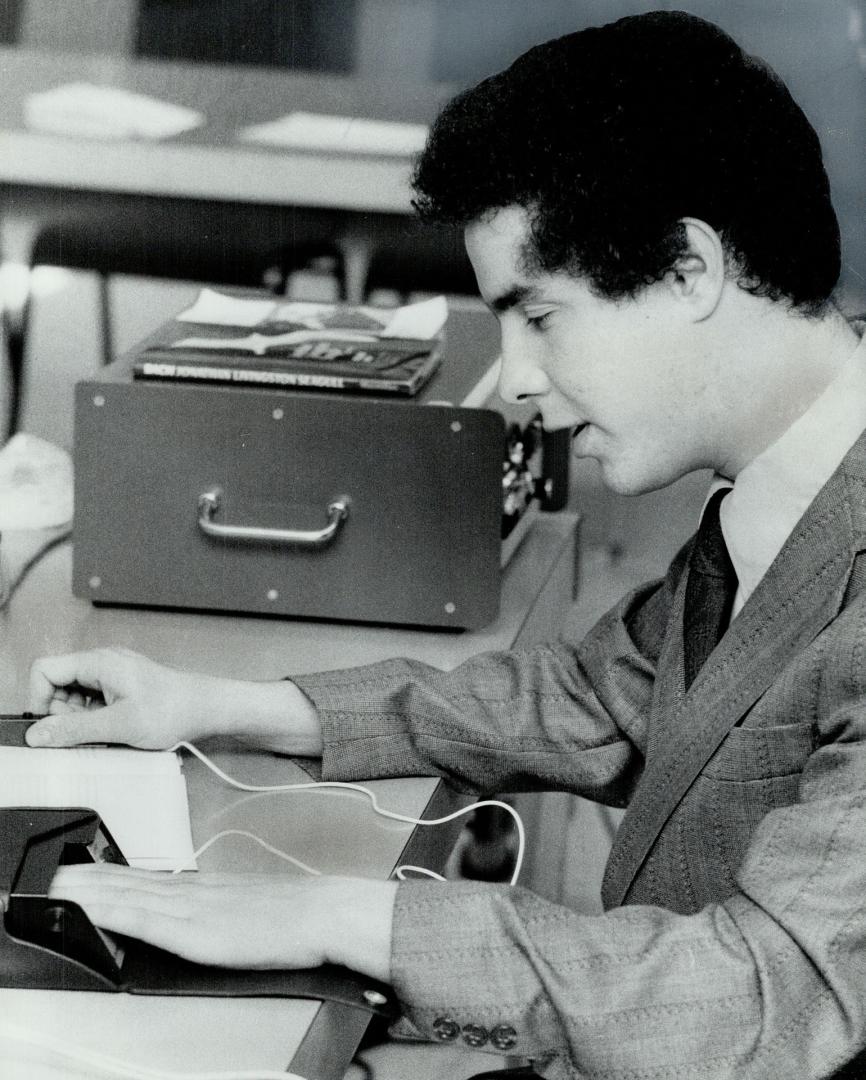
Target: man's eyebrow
518	295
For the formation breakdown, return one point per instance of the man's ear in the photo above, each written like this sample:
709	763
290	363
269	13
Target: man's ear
698	277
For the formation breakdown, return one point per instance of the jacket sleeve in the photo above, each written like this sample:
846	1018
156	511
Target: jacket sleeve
764	984
559	716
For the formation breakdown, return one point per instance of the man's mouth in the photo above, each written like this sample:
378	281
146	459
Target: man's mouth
579	439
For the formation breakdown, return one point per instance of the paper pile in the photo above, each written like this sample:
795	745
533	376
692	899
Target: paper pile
106	112
350	134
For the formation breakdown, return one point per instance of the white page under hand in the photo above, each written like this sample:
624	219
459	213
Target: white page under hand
139	794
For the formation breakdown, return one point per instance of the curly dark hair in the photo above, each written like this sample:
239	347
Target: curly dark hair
610	136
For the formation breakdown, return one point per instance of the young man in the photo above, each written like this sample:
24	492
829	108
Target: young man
649	218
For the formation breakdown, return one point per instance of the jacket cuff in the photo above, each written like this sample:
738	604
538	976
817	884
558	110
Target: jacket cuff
363	734
448	972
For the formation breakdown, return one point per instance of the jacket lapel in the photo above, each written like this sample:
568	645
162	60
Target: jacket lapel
799	595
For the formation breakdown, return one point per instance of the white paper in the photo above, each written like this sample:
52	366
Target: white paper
423	320
320	131
316	314
216	309
139	794
106	112
35	484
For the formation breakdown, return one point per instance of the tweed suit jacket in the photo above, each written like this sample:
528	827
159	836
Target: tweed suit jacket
734	940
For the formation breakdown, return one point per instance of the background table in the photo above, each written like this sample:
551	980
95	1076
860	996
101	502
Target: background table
333	832
207	205
210	163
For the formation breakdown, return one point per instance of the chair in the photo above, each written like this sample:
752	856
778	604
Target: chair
191	240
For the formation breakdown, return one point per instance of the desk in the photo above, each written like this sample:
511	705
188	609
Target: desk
42	172
210	162
330	831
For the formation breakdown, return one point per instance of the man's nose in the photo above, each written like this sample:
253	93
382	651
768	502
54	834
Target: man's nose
520	375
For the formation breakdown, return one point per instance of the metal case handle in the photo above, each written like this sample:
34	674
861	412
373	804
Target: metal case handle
209	504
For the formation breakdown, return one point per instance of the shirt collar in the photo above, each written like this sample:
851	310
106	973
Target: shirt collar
775	489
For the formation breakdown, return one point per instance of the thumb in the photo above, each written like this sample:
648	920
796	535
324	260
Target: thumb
76	727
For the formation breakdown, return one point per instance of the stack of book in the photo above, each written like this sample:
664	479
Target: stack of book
295	344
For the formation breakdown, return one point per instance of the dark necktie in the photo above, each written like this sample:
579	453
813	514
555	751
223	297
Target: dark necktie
710	591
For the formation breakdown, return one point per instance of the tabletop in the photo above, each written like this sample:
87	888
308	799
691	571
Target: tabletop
212	162
331	831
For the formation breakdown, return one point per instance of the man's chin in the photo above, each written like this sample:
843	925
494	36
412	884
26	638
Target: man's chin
621	480
622	485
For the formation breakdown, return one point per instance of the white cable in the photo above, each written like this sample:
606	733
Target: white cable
262	843
391	814
114	1067
400	872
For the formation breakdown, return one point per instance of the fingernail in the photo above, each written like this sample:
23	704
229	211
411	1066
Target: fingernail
40	735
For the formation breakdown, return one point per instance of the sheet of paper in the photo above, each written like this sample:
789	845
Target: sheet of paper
107	112
320	131
216	309
139	794
316	315
423	320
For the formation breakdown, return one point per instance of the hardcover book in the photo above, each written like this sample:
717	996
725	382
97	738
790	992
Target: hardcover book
299	345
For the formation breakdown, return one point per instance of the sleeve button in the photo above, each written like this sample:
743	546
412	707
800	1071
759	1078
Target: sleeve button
474	1035
503	1037
445	1029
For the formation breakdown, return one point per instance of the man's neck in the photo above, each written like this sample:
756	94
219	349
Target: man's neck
781	363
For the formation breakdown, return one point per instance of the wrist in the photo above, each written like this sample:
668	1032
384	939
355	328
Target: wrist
361	916
275	716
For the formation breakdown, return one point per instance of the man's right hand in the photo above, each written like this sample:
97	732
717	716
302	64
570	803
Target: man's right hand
118	696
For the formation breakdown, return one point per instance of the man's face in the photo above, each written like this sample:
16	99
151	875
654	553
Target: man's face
623	373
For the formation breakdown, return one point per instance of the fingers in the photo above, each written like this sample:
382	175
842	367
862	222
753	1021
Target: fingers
51	674
197	916
77	726
106	879
122	900
71	686
70	699
116	876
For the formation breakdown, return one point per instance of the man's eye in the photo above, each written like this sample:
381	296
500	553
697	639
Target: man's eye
539	320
